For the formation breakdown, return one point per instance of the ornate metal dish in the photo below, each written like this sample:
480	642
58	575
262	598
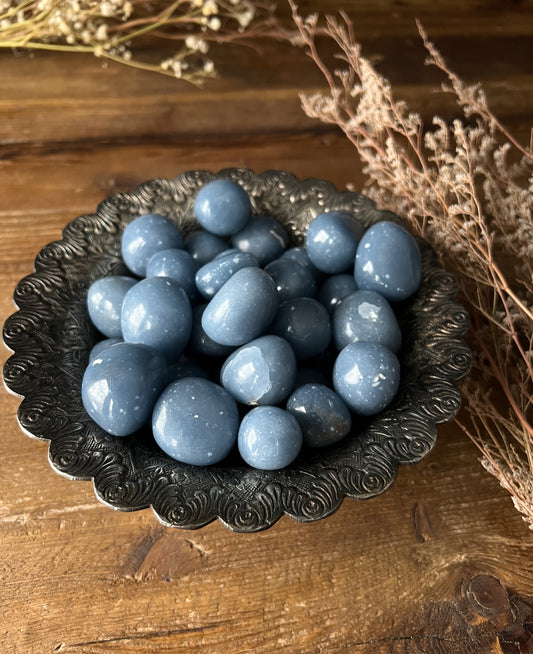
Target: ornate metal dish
51	337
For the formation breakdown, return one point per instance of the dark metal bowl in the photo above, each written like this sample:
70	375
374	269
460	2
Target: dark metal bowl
51	337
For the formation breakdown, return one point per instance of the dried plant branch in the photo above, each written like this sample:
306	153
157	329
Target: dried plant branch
467	187
112	29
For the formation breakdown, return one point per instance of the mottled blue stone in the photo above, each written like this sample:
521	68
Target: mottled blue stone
269	438
332	239
104	303
121	385
177	265
157	312
199	341
291	279
204	246
366	316
101	346
334	289
264	237
323	417
214	274
388	262
222	207
261	372
299	254
195	421
242	309
367	377
145	236
305	323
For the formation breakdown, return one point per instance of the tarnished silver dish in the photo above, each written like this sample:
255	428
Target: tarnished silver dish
51	336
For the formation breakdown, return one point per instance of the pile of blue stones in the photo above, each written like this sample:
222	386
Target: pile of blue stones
230	336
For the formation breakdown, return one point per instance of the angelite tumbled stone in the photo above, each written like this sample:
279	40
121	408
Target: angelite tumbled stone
146	235
323	417
305	323
222	207
157	312
104	303
366	316
388	262
242	309
121	385
269	438
195	421
367	377
264	237
214	274
260	372
332	239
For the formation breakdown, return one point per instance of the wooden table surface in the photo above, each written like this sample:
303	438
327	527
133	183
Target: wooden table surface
441	562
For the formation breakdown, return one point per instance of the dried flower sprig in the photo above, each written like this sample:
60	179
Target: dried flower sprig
112	29
467	187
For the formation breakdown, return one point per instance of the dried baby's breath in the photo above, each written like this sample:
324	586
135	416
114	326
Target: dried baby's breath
116	30
467	187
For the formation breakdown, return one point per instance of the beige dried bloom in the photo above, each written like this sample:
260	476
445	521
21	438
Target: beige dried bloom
111	29
467	188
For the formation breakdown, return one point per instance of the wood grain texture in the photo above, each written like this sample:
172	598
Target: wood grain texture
440	564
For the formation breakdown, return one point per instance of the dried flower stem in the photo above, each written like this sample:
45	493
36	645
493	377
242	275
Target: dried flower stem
467	187
111	28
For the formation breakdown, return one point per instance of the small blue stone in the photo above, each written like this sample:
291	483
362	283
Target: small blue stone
104	303
261	372
269	438
145	236
204	246
264	237
157	312
335	289
367	377
242	309
195	421
222	207
291	279
388	262
214	274
101	346
366	316
332	239
121	385
323	417
305	323
300	255
177	265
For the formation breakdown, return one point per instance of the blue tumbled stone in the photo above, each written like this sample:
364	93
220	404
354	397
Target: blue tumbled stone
242	309
264	237
204	246
269	438
222	207
157	312
199	341
332	239
323	417
366	316
291	279
305	323
388	262
335	289
195	421
177	265
104	303
121	385
261	372
145	236
366	376
213	275
101	346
